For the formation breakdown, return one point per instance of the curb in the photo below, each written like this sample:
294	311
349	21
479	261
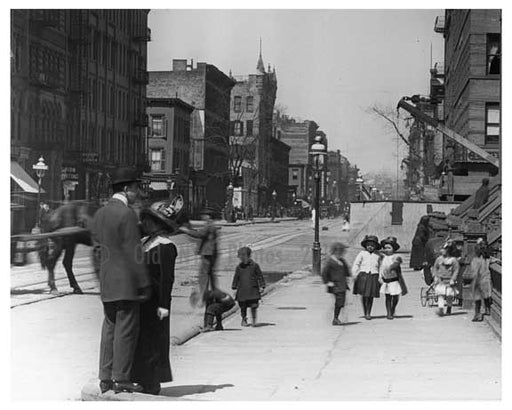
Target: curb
91	391
196	330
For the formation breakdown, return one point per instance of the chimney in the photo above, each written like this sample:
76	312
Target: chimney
179	65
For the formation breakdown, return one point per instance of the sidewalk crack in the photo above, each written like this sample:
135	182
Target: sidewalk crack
329	356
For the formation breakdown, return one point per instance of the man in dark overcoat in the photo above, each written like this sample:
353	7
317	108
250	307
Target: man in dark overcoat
124	282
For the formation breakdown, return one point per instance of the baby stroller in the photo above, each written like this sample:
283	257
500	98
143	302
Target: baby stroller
429	297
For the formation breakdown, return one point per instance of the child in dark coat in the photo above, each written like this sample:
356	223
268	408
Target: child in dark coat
249	284
335	274
217	302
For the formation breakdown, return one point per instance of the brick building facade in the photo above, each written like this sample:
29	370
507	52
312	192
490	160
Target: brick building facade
168	148
252	106
208	90
78	81
299	136
472	95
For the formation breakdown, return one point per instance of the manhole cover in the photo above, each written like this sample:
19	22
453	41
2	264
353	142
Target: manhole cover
292	308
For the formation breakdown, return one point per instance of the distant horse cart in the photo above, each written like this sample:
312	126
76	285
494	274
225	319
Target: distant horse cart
61	231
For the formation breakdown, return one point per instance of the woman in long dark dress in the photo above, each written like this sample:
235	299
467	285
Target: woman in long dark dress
151	364
418	244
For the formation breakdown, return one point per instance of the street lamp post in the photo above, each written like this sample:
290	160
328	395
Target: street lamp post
360	182
274	196
229	203
40	169
318	153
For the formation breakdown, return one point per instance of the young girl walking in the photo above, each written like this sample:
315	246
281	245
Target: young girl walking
335	274
446	269
366	266
481	285
390	275
249	284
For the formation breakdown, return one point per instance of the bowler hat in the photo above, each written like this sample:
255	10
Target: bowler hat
390	240
370	238
166	212
125	175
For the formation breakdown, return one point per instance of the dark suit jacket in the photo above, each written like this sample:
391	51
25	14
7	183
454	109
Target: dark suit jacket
122	271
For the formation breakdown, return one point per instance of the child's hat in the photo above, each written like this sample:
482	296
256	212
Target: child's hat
390	240
370	238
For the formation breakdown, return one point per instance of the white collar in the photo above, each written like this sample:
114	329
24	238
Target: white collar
150	242
121	197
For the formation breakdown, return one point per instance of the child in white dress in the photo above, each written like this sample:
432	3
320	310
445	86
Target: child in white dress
390	275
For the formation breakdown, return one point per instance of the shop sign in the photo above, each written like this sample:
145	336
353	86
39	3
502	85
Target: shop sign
69	174
90	157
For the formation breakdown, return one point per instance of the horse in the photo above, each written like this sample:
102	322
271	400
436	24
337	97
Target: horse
78	214
72	214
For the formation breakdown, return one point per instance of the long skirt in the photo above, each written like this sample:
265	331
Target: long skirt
367	285
151	364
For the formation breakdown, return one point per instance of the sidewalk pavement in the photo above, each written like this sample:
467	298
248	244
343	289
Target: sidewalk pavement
296	354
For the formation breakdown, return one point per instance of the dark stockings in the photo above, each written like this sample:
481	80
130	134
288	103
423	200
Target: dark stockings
243	311
337	310
367	305
394	302
389	305
488	303
253	315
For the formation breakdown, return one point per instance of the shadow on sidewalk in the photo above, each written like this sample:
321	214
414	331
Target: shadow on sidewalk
263	324
456	314
29	291
349	323
180	391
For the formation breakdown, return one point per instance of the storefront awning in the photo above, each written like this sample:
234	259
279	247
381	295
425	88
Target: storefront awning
158	186
24	180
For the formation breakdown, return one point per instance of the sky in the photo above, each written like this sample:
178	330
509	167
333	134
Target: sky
331	65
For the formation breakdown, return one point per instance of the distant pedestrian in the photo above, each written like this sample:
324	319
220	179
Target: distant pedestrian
335	274
418	244
217	302
249	285
208	251
445	271
390	275
124	282
481	285
151	363
482	194
367	266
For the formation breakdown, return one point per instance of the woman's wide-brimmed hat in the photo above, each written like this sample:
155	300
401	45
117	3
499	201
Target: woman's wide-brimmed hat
166	212
390	240
370	238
